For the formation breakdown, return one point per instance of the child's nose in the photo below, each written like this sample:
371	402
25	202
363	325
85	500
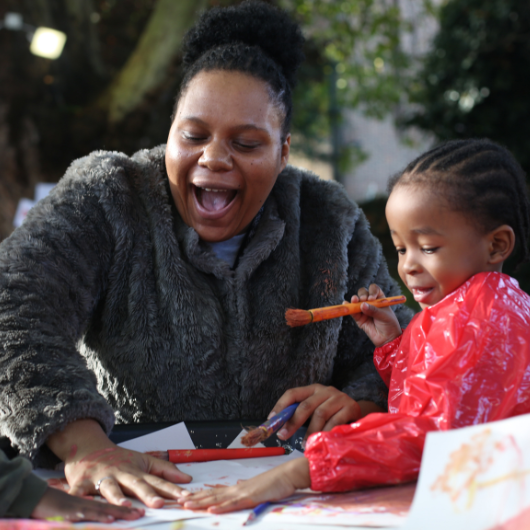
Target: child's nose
411	264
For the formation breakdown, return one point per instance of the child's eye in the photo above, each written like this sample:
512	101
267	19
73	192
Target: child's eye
400	250
429	250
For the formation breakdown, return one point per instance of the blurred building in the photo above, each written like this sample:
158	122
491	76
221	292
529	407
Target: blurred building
389	150
386	146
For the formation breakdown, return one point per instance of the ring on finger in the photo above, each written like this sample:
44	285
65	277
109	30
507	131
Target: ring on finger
98	485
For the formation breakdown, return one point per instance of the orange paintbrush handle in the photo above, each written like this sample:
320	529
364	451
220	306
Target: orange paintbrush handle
334	311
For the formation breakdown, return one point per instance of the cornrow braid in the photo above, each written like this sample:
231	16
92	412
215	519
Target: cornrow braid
479	179
254	38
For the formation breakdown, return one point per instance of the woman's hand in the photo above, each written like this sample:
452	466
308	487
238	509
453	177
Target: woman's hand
56	503
326	405
273	485
379	323
91	458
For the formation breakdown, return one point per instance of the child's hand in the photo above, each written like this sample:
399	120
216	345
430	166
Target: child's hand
273	485
56	503
380	324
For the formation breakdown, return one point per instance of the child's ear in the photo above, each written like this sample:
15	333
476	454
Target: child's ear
502	243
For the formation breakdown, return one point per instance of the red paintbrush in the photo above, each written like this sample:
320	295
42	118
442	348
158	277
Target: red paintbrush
208	455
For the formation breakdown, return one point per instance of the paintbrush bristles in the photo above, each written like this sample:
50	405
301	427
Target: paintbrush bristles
254	437
298	317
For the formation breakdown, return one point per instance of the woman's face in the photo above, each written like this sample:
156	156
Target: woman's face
224	152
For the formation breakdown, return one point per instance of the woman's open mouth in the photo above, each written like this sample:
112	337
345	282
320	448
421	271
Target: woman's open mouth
213	203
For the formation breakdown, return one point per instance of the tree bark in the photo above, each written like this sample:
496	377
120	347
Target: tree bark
148	65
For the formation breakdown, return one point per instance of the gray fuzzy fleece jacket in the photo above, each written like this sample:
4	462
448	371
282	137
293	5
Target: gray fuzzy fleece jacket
112	308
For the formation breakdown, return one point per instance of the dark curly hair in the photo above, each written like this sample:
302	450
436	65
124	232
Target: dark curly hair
479	179
254	38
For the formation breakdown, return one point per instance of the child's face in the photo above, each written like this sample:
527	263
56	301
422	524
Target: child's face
438	249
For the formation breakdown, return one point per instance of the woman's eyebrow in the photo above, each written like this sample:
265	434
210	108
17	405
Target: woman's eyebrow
242	127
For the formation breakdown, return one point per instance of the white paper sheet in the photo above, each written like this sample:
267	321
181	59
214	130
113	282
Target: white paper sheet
373	508
475	478
174	437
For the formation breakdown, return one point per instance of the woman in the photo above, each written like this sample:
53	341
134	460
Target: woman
167	275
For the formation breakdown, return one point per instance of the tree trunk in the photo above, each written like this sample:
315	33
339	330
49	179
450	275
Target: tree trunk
148	65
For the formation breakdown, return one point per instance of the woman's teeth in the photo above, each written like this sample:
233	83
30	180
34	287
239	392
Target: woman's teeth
214	199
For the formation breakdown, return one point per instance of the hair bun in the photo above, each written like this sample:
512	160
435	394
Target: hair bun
254	23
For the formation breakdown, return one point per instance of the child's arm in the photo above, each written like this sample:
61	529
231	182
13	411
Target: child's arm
380	324
273	485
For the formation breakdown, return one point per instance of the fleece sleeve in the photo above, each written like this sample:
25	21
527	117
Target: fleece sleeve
52	274
354	371
20	490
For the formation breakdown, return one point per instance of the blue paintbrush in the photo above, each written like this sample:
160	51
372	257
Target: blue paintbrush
269	427
259	509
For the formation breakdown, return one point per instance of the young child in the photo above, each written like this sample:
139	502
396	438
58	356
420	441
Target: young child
455	215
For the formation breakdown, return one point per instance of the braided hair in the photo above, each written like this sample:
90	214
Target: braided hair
479	179
254	38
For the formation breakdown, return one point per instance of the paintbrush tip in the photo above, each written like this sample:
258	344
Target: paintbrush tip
253	437
298	317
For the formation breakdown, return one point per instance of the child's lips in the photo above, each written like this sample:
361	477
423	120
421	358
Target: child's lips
421	294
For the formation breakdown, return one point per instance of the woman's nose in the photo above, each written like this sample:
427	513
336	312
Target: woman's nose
216	156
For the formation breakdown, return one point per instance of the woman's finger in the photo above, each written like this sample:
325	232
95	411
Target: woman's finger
322	414
304	411
81	488
163	487
168	471
293	395
136	486
110	490
347	414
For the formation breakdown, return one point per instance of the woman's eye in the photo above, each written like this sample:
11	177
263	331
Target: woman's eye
246	145
193	137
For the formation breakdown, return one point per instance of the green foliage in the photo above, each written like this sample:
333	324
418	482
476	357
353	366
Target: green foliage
354	60
475	81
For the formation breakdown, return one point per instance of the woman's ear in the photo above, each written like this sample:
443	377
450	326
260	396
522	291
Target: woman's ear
502	243
286	147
